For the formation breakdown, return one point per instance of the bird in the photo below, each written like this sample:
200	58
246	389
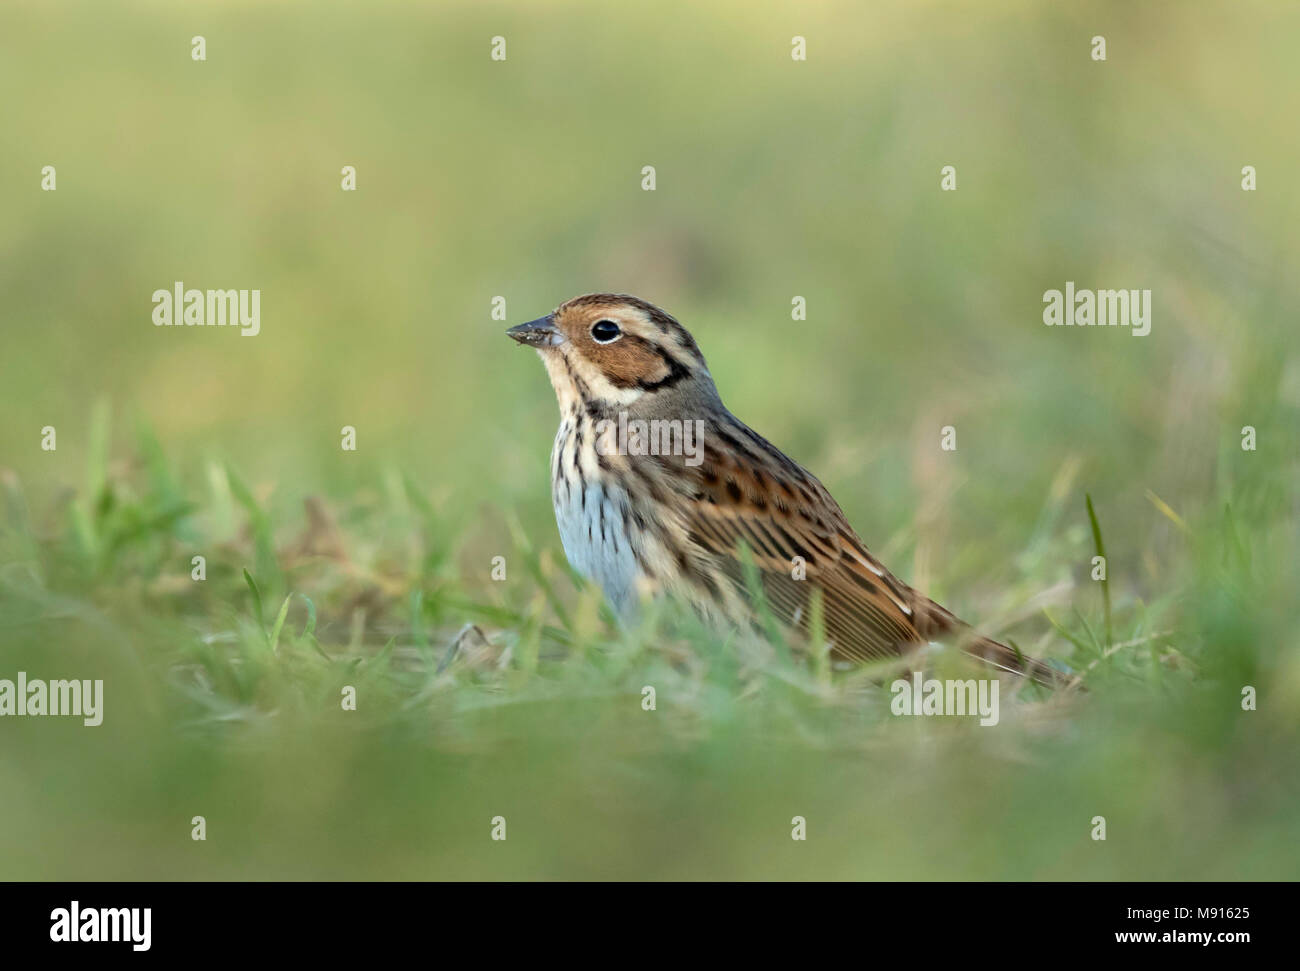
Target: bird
659	490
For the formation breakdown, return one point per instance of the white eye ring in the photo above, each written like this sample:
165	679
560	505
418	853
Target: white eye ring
608	338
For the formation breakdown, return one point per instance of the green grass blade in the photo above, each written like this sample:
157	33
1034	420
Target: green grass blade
1101	551
257	598
274	638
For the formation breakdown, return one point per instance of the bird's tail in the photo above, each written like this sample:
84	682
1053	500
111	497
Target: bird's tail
1006	658
937	623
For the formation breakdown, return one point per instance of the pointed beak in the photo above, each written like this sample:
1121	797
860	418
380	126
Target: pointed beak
538	333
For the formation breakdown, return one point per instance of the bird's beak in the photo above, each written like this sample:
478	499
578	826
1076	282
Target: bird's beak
539	333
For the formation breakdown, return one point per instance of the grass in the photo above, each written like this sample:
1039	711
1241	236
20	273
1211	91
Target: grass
224	700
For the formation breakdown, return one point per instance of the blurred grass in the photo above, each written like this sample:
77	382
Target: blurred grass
522	179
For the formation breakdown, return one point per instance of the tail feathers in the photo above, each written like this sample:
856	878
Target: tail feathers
1009	659
938	623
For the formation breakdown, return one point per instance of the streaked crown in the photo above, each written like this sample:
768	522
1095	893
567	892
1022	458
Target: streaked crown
613	349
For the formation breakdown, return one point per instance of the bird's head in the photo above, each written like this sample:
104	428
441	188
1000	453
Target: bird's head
609	351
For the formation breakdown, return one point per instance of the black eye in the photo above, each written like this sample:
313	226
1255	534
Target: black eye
605	331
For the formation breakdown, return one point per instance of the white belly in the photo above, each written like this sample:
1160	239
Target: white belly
592	521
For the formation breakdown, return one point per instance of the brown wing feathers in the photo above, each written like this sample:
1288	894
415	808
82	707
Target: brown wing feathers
776	509
779	511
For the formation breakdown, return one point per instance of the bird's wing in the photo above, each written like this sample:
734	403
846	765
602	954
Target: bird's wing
750	495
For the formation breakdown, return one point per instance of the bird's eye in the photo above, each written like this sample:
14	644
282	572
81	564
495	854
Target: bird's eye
605	332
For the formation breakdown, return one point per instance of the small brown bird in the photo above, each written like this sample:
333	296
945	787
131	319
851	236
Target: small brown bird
659	489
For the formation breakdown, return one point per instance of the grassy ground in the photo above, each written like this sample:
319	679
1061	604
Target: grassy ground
327	568
223	700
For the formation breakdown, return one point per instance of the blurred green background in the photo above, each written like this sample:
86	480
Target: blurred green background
521	179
